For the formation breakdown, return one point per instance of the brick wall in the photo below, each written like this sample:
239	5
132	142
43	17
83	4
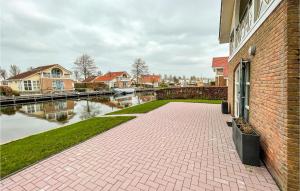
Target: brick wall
46	85
214	93
293	72
274	91
220	81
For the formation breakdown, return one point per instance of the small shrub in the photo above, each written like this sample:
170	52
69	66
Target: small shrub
247	129
163	85
92	86
244	127
6	91
15	93
239	121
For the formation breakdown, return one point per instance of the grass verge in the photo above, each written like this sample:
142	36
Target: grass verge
149	106
21	153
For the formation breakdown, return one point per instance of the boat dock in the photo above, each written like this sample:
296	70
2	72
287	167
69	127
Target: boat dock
13	100
50	97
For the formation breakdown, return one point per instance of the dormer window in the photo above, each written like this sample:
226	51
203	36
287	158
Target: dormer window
56	73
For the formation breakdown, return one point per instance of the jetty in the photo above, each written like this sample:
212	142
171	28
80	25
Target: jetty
13	100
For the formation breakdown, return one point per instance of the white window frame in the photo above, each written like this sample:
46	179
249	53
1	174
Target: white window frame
256	24
35	85
27	85
237	74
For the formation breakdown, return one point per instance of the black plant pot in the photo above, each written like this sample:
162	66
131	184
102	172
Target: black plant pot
247	145
224	107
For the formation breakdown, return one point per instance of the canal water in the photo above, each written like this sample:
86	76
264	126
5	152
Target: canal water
20	121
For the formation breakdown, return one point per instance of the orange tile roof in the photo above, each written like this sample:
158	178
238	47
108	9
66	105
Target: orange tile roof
109	76
221	62
31	72
150	78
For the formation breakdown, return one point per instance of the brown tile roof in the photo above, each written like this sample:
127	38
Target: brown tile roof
31	72
109	76
221	62
89	79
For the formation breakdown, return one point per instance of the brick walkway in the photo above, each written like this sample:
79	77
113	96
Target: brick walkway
180	146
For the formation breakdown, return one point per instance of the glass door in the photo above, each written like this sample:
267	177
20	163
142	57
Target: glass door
242	90
237	92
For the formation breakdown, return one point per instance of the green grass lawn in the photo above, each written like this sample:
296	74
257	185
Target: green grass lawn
149	106
21	153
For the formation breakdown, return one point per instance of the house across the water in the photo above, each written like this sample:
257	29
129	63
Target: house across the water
150	80
114	79
220	67
263	78
43	79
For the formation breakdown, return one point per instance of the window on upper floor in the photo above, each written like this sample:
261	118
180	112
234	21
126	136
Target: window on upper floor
220	71
243	8
46	74
56	73
247	15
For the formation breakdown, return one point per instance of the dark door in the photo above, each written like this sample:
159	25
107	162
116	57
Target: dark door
244	89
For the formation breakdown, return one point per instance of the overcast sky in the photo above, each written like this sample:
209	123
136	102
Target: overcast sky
173	36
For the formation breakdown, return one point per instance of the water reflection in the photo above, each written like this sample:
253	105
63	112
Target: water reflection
59	111
24	120
89	110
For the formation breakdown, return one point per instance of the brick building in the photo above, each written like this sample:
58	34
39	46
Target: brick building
220	67
43	79
263	78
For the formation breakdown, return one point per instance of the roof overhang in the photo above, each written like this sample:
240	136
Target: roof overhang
227	9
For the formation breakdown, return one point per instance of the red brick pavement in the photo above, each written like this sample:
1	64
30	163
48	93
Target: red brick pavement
180	146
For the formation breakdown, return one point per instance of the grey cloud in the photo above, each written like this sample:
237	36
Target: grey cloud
173	36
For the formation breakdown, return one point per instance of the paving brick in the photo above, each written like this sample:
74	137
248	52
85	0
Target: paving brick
180	146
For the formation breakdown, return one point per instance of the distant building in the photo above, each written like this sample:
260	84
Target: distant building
114	79
220	67
43	79
150	80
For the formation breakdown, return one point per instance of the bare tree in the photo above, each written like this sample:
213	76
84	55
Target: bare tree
139	68
99	73
76	75
85	65
3	73
30	68
165	77
14	70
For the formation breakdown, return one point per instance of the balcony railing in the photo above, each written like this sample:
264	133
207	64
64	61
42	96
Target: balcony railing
254	11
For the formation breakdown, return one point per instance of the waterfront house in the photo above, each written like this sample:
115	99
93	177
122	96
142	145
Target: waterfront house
263	78
43	79
151	80
220	67
115	79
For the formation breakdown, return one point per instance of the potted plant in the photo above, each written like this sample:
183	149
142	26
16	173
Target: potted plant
224	107
246	142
